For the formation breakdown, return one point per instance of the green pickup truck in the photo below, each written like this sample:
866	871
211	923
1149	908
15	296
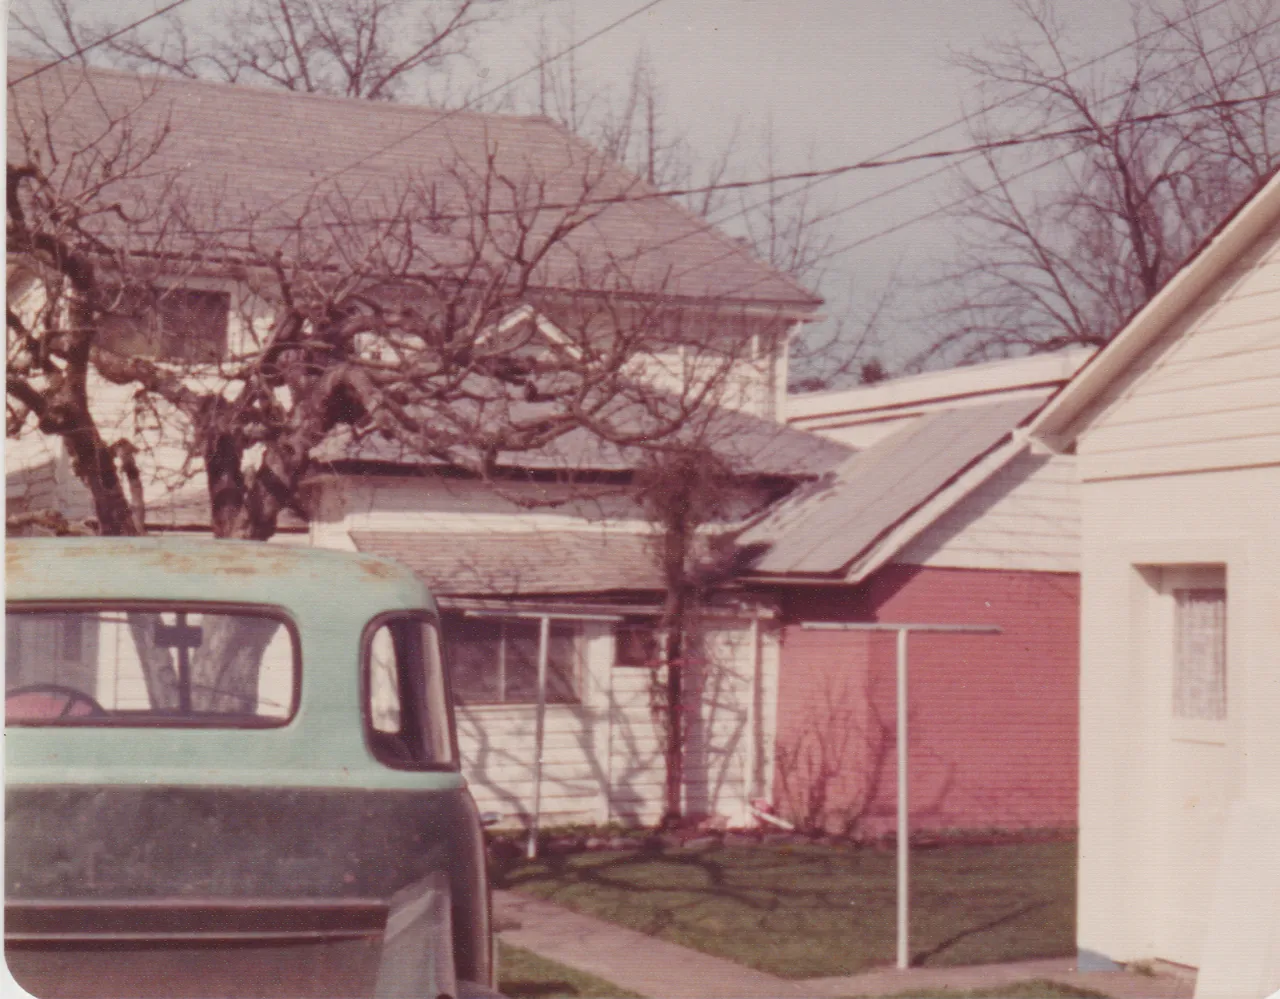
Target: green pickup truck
231	770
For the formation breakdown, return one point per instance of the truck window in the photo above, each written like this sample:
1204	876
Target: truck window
148	665
406	716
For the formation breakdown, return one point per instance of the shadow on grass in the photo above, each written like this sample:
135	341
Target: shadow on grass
942	946
801	910
1035	988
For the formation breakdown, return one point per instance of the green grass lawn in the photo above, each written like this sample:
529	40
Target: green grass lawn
1036	988
524	975
807	911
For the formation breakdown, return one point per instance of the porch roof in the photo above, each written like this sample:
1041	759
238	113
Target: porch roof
842	526
520	563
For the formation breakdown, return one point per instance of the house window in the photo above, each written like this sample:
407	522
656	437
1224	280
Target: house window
168	324
1200	653
637	643
494	660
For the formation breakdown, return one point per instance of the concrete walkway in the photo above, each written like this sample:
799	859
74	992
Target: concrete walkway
651	967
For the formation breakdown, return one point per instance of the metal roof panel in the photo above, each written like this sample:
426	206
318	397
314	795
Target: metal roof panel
825	528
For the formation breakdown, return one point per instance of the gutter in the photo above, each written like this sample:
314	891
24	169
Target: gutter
1058	423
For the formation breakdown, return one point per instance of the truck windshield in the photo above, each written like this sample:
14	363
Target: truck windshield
154	664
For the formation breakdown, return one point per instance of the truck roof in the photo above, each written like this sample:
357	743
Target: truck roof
294	577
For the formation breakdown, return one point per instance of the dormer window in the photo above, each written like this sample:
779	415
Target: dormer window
168	324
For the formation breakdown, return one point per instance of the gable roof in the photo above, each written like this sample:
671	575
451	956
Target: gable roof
241	152
1061	421
846	525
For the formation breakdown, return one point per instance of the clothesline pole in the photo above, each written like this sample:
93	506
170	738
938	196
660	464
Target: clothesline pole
904	759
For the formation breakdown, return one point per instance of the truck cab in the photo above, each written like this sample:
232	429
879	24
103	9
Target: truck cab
231	770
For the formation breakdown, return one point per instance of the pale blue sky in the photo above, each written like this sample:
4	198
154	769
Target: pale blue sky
836	81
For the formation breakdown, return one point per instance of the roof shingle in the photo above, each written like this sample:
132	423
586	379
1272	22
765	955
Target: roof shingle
521	563
241	152
751	445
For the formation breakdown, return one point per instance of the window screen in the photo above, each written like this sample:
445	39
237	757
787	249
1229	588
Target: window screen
147	665
1200	653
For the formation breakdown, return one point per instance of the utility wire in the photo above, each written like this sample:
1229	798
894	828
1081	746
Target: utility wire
1011	98
826	216
667	193
445	116
94	44
814	177
846	247
934	173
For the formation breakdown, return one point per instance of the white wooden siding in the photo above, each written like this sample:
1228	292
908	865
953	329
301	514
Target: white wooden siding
603	759
746	385
498	747
31	472
1025	517
637	767
1207	394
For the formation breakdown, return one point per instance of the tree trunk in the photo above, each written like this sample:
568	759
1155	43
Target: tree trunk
224	669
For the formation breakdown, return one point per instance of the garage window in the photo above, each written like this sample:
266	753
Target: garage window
1200	653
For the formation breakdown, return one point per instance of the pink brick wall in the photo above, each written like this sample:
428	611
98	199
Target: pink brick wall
993	718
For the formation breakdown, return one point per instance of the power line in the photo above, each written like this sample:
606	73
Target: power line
94	44
934	154
885	159
711	225
1018	95
445	116
1105	100
666	194
813	176
844	248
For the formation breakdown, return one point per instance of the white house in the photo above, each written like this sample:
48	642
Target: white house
1176	430
539	546
501	556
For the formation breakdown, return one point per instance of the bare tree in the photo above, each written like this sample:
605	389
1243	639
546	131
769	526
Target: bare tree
1061	242
376	49
631	124
781	223
843	350
682	490
830	771
417	319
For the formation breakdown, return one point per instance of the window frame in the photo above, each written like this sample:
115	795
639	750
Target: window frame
1196	576
147	719
371	628
578	679
152	308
